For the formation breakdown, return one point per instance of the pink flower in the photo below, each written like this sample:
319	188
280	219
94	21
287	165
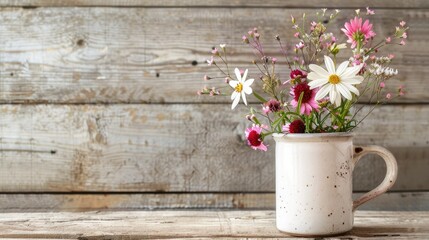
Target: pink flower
382	85
369	11
274	60
254	139
210	61
296	126
404	35
388	40
308	102
296	34
402	23
313	25
206	78
389	96
272	106
300	45
245	40
402	43
215	51
391	56
358	32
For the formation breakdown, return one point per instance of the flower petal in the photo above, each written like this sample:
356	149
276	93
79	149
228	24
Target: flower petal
247	90
343	66
318	70
332	94
234	94
352	80
317	83
352	71
338	99
243	78
351	88
344	91
243	95
330	66
248	82
235	102
233	83
323	92
237	74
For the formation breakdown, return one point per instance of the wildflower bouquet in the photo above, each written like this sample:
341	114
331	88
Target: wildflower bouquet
320	93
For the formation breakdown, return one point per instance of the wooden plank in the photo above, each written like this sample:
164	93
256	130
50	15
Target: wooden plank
220	3
392	201
175	148
79	55
194	224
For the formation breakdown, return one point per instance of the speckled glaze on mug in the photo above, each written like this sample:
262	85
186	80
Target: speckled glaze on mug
314	182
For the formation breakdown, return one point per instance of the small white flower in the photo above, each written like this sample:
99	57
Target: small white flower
241	87
336	82
222	46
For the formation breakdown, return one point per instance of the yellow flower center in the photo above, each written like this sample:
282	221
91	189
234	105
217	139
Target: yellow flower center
239	87
334	79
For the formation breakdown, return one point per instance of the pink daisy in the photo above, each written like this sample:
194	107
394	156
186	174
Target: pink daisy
308	102
356	32
253	135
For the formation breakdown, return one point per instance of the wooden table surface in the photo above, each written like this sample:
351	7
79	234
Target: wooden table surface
194	224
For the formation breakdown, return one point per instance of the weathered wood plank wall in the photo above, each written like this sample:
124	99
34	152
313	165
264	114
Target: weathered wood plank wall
100	99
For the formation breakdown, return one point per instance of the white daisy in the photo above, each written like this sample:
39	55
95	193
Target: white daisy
241	87
335	82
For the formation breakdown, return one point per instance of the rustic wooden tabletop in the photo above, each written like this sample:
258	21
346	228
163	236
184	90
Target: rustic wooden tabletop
195	224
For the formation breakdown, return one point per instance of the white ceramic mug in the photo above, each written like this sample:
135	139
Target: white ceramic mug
314	182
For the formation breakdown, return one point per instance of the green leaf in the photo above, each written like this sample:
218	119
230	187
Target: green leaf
298	109
259	97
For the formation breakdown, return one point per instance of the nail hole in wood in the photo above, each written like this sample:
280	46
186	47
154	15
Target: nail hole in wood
358	150
11	74
326	21
194	63
53	151
157	74
80	42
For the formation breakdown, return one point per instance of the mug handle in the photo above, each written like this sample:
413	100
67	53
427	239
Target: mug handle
391	171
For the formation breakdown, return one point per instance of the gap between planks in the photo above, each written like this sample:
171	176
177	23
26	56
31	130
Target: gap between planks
392	201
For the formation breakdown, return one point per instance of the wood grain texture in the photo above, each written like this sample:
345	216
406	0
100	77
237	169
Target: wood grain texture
178	147
194	224
220	3
392	201
136	55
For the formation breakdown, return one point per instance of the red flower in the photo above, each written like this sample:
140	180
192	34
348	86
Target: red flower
254	138
294	74
296	126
